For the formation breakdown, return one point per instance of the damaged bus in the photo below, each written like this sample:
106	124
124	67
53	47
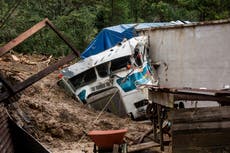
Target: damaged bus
109	80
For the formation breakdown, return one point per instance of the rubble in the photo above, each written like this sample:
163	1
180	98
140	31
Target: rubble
54	118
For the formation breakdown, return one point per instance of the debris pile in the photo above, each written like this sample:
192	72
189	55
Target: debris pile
54	118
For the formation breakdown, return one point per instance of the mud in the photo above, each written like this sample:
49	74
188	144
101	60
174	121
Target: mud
59	122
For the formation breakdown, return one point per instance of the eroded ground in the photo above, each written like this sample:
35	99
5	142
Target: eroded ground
55	119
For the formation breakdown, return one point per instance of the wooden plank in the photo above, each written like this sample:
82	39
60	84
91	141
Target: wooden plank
22	37
142	146
189	90
21	86
167	96
209	114
201	126
202	139
44	72
211	142
201	130
36	77
201	97
159	114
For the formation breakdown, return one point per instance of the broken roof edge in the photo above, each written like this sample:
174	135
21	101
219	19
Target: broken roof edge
191	24
123	49
110	36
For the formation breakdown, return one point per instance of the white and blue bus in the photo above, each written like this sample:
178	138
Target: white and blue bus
111	78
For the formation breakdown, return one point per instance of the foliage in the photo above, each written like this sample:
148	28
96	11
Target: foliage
81	20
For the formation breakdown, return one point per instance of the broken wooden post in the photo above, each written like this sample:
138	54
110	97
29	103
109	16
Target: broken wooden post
159	113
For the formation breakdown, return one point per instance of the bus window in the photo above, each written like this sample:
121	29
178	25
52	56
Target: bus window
103	70
83	78
120	63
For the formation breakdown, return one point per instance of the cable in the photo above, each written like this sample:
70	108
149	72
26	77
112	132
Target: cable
9	13
98	116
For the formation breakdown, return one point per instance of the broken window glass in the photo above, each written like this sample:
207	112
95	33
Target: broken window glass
83	78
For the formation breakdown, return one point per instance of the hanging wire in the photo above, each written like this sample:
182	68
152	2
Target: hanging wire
9	13
97	117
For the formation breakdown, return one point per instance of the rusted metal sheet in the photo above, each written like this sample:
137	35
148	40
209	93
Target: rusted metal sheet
14	139
201	130
22	37
23	141
6	142
192	55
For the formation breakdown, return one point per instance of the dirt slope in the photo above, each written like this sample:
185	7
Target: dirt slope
55	119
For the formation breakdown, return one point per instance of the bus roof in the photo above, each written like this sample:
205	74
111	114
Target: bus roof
125	48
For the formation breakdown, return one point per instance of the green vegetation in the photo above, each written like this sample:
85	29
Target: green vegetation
81	20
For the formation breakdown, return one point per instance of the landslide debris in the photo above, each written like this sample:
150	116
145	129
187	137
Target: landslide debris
51	116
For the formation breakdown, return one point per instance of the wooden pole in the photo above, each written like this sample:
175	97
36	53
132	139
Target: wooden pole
160	126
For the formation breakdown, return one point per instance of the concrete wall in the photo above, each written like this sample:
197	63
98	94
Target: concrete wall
192	56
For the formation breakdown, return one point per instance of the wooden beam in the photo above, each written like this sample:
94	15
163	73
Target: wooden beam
44	72
36	77
50	24
160	122
206	114
142	146
22	37
12	90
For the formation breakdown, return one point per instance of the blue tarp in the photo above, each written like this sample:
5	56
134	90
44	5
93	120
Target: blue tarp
110	36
